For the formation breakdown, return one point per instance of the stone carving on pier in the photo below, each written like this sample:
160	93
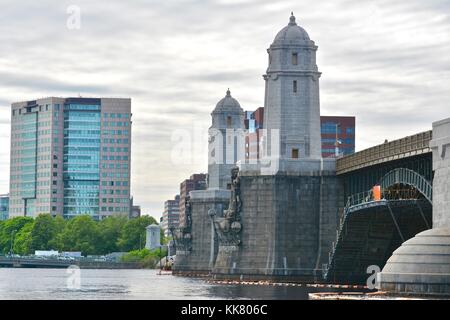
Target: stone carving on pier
229	227
183	235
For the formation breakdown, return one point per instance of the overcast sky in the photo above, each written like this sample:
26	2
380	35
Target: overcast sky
387	62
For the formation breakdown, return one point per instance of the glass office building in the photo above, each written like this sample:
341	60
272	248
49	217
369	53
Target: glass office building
70	156
4	206
81	159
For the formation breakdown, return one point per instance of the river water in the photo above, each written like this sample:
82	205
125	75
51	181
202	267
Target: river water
56	284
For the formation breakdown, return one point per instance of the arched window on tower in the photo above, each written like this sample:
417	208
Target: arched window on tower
229	122
295	58
294	86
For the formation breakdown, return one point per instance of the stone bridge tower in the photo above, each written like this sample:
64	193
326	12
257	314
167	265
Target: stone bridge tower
292	105
226	141
281	219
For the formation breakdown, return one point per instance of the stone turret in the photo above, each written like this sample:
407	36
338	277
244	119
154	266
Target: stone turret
226	141
292	105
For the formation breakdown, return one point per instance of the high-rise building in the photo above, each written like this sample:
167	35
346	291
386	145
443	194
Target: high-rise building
135	210
254	121
4	206
337	132
195	182
171	215
70	156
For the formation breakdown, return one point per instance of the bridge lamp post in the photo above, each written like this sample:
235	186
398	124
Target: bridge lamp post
160	258
172	232
338	142
212	214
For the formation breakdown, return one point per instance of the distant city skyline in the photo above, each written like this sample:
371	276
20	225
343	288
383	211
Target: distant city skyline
384	62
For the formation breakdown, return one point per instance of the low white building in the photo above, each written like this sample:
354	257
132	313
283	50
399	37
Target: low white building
46	253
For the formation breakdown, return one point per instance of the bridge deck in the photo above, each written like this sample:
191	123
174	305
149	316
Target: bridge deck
398	149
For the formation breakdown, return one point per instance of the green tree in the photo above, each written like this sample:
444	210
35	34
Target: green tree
80	234
60	225
132	236
163	238
9	229
110	230
43	232
23	240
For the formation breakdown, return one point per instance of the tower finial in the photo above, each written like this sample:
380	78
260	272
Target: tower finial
228	93
292	19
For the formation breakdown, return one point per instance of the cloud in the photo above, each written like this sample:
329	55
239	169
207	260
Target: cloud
44	83
384	61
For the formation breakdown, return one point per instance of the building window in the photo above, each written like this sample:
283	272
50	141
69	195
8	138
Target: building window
229	122
294	86
330	128
295	59
294	153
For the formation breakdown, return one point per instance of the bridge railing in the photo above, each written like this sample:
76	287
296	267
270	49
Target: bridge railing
408	177
359	198
367	196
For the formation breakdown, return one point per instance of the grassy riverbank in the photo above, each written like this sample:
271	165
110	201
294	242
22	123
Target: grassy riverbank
144	258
